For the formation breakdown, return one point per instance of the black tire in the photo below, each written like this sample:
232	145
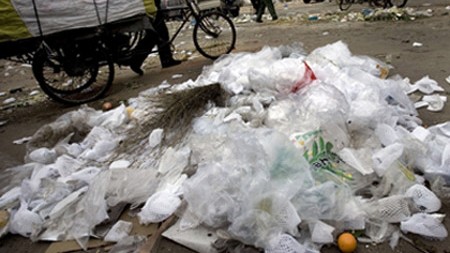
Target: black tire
89	76
379	3
214	35
398	3
345	4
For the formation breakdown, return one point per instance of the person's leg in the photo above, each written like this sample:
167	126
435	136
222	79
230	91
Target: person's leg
271	8
142	50
262	6
165	52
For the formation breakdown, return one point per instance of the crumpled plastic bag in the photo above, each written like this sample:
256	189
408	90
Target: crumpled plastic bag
429	225
159	207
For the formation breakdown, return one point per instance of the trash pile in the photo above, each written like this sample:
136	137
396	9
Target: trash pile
304	147
366	14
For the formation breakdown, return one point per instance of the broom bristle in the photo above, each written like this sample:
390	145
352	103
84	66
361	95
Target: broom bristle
175	111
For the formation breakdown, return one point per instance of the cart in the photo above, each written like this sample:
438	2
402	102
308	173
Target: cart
76	65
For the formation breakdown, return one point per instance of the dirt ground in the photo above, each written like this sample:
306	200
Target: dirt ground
384	39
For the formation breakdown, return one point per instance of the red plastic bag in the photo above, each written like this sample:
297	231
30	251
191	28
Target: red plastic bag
307	78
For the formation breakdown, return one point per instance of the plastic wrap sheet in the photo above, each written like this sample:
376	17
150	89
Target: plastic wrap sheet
57	16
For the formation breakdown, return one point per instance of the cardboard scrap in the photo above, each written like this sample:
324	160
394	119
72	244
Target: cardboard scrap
72	245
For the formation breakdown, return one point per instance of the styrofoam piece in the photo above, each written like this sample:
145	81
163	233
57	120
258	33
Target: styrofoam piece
155	137
119	164
199	239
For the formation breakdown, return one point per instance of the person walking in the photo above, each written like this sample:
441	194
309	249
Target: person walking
158	36
262	7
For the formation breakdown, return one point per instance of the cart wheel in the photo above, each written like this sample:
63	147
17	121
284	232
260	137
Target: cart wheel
398	3
75	77
378	3
345	4
214	35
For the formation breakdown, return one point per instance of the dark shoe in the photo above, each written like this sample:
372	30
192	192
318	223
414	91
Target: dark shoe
170	63
274	18
258	21
137	69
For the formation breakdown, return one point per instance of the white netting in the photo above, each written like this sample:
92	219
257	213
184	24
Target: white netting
286	244
391	209
424	199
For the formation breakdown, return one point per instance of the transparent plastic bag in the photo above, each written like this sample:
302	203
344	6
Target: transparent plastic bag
429	225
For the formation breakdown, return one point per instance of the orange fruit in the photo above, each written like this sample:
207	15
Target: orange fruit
347	242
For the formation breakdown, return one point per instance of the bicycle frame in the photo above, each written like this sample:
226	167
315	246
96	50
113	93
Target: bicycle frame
191	10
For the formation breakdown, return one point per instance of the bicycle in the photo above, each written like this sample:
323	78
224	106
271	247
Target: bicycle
345	4
77	66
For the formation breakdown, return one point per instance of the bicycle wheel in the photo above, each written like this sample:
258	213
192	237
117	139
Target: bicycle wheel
345	4
214	35
73	76
398	3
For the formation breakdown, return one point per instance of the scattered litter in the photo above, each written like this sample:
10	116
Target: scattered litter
417	44
23	140
25	65
3	122
15	90
177	76
447	79
9	101
426	86
313	17
106	106
2	94
435	102
34	93
325	33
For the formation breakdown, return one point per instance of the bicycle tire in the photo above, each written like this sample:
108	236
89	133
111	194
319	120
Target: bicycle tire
345	4
398	3
214	35
87	85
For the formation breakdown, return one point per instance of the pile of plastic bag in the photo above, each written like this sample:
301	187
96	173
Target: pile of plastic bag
308	146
